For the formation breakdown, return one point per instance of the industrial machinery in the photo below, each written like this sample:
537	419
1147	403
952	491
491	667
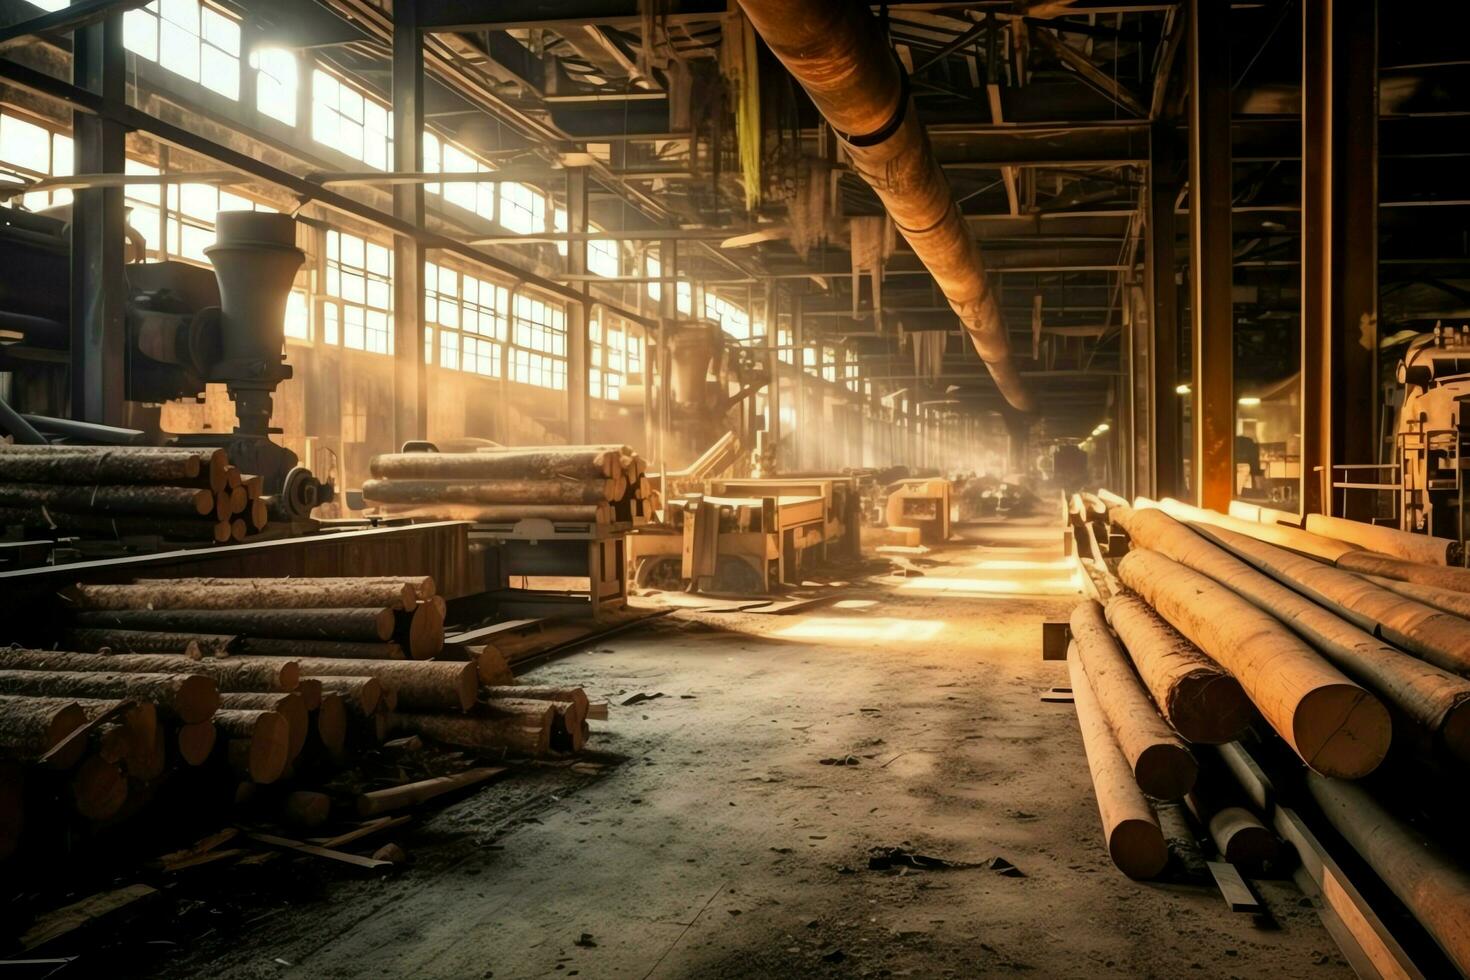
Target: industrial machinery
1432	441
186	326
923	504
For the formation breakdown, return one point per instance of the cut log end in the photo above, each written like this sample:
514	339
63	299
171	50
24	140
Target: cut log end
1242	839
1210	708
1165	772
196	742
1455	730
1341	730
1137	847
99	788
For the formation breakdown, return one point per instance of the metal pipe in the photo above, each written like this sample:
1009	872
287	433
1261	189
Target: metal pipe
839	55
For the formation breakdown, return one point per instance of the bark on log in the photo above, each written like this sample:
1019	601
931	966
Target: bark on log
336	650
110	500
1295	539
537	692
145	641
542	463
422	585
229	674
419	685
103	527
490	513
1130	828
196	742
260	742
374	624
1333	724
331	724
1162	765
1445	600
518	732
361	695
29	727
99	788
186	697
92	466
1198	697
1241	838
289	706
501	491
1441	638
1368	563
1427	880
1386	540
1432	699
301	593
411	794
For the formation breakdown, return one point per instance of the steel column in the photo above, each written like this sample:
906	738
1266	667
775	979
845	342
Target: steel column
1162	350
410	372
798	385
98	289
1212	460
579	379
1339	241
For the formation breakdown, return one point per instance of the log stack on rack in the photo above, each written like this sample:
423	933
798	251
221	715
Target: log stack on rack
300	676
116	492
598	484
1334	661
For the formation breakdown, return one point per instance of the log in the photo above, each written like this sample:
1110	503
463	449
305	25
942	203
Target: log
337	650
92	466
1198	697
411	794
1441	638
196	742
99	788
110	500
101	526
360	695
228	673
304	808
310	690
302	593
1429	881
492	665
1239	836
502	491
422	585
1440	577
257	515
516	731
1303	542
289	706
30	727
1134	840
144	641
1162	765
1423	548
331	724
538	692
259	742
421	631
419	685
491	513
1334	725
1428	697
542	463
1445	600
144	756
12	807
369	624
187	697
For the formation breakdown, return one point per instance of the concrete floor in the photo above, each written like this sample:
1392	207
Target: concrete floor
723	848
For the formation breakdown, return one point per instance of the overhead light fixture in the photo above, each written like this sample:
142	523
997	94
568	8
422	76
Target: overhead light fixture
1101	428
1181	389
1248	401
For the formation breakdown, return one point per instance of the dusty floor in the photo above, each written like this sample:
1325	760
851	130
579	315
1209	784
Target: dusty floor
722	847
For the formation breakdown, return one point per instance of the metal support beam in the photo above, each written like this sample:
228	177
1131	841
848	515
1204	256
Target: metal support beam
75	17
98	290
1339	240
799	380
410	373
579	354
1212	460
1163	316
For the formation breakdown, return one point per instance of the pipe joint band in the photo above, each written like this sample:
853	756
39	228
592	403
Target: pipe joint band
891	126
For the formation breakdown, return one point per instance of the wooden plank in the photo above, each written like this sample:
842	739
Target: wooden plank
367	829
1057	695
314	850
66	920
1233	889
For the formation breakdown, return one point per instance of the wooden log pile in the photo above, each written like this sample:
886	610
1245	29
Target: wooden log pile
602	484
183	495
263	681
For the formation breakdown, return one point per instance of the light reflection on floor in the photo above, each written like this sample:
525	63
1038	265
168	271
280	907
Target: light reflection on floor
863	629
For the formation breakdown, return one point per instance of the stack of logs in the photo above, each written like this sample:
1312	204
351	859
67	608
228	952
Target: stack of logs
109	724
601	484
1226	624
116	492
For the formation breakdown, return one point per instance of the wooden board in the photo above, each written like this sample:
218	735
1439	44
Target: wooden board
53	925
1233	889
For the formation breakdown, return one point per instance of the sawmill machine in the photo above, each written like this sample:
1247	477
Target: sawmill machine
186	327
1432	433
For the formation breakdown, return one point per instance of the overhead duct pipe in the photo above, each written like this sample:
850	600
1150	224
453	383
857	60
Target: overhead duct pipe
835	49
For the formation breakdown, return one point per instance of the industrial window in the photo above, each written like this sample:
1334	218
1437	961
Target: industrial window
653	269
783	342
850	369
191	214
809	360
469	315
522	208
684	296
350	121
635	353
603	257
190	39
298	316
144	212
277	77
829	364
610	359
733	320
359	294
442	156
538	356
31	151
